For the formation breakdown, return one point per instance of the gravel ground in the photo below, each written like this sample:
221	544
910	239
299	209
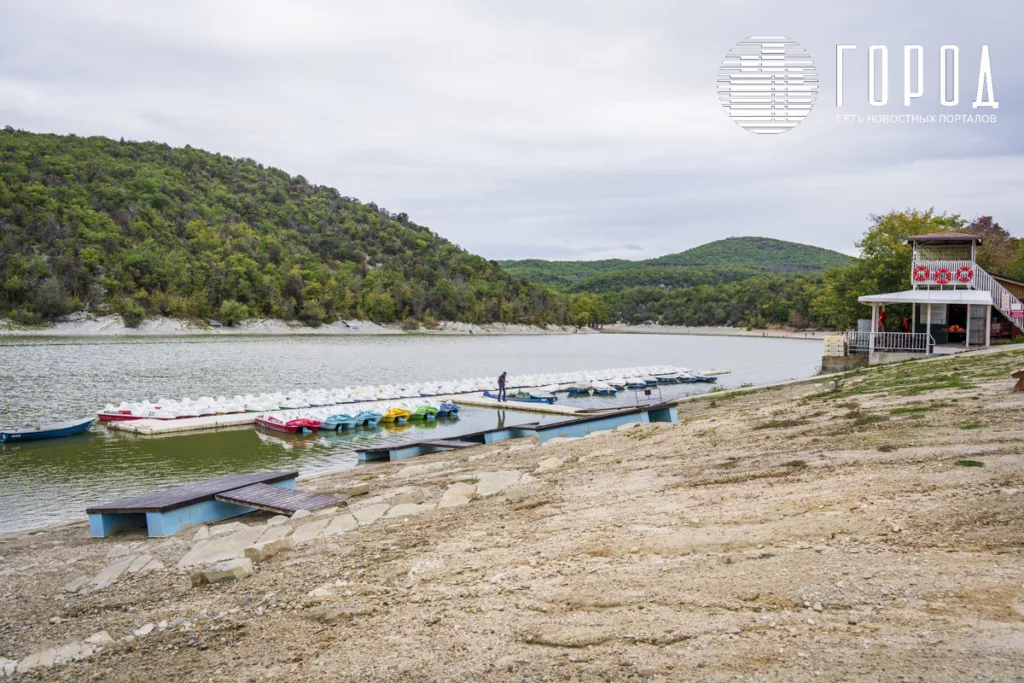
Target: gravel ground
856	531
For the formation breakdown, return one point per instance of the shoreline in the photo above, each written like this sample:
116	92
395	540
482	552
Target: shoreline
82	325
798	531
680	403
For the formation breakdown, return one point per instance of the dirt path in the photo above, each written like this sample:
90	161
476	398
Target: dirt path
816	531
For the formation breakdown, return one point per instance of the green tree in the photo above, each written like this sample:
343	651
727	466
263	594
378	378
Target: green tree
884	265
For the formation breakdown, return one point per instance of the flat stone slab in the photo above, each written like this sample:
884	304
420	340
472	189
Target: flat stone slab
406	509
457	494
220	548
231	570
307	532
490	483
415	470
264	551
549	464
140	562
370	513
341	524
275	533
112	572
230	528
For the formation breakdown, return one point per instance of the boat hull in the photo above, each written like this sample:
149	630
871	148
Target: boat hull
117	417
53	432
517	399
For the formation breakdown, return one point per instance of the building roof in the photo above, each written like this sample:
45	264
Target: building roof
945	238
1003	278
930	296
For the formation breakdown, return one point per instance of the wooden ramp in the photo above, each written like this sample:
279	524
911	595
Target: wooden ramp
163	513
276	499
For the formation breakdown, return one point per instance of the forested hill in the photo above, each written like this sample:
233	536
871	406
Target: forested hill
146	229
727	259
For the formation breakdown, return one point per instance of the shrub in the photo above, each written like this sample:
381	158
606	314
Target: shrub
51	300
410	325
132	314
233	312
312	314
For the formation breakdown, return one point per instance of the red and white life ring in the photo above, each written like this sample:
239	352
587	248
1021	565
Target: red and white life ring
943	276
965	273
921	273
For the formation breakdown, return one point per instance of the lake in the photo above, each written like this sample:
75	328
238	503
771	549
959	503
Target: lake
49	379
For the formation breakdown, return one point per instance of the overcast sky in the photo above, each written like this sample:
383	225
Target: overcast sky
529	129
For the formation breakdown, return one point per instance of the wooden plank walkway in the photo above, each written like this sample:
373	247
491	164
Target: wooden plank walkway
276	499
189	494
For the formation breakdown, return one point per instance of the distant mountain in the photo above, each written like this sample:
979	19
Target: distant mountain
757	252
726	260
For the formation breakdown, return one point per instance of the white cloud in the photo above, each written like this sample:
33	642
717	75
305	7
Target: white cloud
524	128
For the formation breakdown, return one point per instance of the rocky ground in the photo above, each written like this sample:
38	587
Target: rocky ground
868	529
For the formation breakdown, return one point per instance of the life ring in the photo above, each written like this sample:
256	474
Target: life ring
965	273
943	276
921	273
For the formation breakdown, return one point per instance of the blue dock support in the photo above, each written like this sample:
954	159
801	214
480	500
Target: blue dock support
170	520
103	525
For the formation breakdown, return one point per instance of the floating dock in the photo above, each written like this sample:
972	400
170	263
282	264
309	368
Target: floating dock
568	429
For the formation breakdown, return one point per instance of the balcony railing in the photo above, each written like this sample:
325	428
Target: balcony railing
943	273
909	342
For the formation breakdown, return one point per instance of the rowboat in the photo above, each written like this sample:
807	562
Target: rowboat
542	394
117	415
523	399
296	425
50	431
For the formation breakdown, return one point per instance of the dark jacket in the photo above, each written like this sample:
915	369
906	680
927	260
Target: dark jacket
501	381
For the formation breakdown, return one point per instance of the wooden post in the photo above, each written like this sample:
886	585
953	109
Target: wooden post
913	318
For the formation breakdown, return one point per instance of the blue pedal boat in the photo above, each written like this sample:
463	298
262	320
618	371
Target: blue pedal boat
448	409
50	431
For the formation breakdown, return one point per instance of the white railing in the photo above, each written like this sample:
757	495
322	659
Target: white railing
909	342
1002	299
944	273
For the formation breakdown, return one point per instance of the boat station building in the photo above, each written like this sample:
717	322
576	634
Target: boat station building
953	305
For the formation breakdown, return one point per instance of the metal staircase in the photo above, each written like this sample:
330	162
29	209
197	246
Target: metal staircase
1002	299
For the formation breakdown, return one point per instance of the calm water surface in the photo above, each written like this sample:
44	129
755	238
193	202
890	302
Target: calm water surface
45	379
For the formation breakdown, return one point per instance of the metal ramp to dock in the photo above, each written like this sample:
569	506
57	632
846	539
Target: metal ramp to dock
164	513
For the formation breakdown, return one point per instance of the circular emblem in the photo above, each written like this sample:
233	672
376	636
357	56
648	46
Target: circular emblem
767	84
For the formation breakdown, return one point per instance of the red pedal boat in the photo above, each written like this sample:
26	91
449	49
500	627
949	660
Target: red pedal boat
299	424
117	415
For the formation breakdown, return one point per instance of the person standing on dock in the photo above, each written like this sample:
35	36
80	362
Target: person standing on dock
501	387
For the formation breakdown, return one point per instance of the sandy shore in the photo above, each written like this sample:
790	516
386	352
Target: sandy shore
861	530
112	325
716	331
